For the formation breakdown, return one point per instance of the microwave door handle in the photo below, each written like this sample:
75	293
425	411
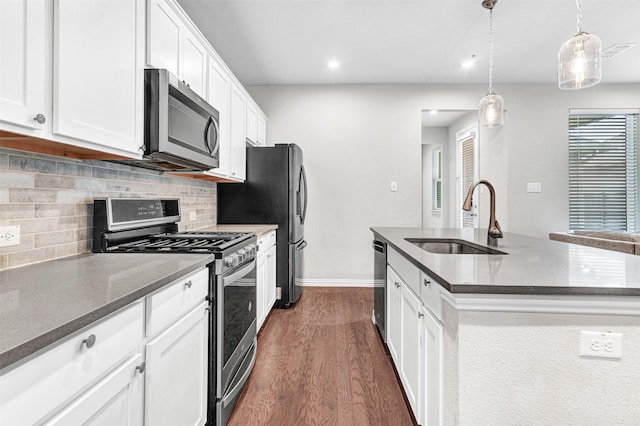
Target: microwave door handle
216	146
207	142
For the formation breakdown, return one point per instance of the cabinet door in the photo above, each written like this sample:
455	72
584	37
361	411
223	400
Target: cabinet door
432	377
176	374
22	69
97	75
163	36
394	312
218	96
410	353
262	131
261	287
238	134
194	66
115	400
252	122
270	295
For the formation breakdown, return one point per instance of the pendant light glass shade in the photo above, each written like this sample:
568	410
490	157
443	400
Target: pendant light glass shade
491	110
580	62
580	59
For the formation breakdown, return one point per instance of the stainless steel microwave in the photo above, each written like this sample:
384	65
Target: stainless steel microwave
181	130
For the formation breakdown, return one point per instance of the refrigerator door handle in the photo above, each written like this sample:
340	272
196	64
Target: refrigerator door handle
302	245
304	180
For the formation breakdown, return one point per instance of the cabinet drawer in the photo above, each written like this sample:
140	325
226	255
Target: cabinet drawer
33	390
176	299
430	294
265	242
409	273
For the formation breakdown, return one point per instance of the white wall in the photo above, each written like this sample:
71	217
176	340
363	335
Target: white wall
358	138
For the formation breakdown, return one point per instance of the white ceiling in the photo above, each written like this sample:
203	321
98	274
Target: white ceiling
409	41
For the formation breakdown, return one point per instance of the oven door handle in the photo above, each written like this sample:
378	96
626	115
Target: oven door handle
230	279
238	387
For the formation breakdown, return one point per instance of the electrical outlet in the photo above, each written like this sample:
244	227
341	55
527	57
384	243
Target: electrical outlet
534	187
394	186
601	344
9	235
192	216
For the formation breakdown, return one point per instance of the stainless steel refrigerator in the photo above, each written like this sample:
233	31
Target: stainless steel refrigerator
274	192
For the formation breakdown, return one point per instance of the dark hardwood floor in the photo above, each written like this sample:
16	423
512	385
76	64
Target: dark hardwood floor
322	363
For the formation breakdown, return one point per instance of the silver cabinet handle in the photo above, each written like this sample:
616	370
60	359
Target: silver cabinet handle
40	118
420	314
397	284
89	341
427	282
188	284
141	368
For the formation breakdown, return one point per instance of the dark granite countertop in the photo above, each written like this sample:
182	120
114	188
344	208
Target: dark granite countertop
533	266
44	302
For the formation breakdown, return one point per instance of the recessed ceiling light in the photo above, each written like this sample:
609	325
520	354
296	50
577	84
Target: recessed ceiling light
433	112
333	64
469	63
616	49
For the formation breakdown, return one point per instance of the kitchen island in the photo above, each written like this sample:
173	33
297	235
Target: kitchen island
499	335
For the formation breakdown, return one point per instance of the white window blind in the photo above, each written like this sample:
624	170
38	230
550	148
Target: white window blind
467	176
603	172
436	179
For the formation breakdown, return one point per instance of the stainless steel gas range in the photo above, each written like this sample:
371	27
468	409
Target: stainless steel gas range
144	225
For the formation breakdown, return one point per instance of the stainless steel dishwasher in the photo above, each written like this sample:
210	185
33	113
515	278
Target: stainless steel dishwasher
379	286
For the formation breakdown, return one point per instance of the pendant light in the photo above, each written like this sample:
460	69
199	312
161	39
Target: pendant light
491	106
580	59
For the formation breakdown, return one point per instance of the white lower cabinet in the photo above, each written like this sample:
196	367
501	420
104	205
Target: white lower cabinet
410	350
431	379
100	375
115	400
394	319
70	376
265	276
415	338
176	372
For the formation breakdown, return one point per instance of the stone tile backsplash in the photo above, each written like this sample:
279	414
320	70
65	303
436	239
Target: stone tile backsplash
51	198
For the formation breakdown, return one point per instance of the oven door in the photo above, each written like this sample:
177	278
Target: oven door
236	321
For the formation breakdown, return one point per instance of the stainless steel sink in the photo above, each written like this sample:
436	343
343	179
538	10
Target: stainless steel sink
451	246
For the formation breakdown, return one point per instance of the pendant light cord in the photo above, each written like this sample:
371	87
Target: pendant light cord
491	50
579	6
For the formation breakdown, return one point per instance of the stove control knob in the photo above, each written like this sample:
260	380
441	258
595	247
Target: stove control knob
242	254
228	261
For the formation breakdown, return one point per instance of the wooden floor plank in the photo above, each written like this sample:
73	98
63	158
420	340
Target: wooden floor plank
321	362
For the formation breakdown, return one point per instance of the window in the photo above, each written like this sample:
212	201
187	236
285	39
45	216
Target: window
436	179
466	176
603	171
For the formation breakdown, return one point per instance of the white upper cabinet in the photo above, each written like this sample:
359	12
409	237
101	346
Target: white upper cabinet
219	95
262	131
252	123
172	45
237	164
97	74
163	36
23	64
194	70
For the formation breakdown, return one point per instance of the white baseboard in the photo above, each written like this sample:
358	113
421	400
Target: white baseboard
324	282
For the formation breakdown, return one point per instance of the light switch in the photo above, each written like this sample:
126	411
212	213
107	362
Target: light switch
394	186
534	187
